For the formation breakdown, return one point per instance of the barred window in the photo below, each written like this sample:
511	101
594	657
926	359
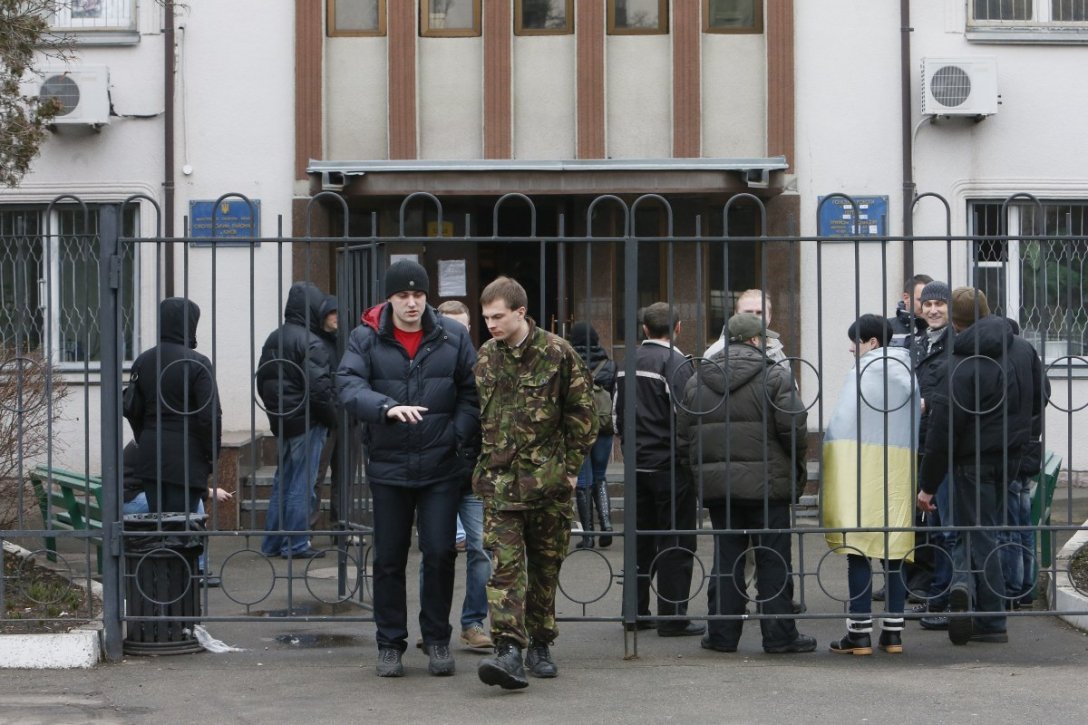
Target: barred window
49	291
1027	13
95	15
1043	282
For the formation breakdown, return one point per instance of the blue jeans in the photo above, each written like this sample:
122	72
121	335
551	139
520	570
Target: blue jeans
477	562
290	504
1018	552
139	505
596	462
859	579
947	542
974	568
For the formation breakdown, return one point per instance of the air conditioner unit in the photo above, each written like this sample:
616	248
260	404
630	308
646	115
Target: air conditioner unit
959	86
83	92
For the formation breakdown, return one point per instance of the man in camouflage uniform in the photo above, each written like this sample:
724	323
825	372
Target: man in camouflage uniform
538	423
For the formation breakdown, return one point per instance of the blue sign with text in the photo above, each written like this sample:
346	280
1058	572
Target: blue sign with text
235	221
836	217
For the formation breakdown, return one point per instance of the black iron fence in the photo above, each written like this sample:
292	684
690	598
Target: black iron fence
80	298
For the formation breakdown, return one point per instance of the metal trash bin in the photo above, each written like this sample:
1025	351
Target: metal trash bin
162	581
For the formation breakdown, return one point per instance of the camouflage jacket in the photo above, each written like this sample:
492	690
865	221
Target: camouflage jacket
537	420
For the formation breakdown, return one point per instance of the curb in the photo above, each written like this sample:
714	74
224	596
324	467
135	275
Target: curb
1066	597
79	648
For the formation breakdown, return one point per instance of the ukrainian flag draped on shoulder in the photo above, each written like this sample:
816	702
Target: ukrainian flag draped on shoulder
869	455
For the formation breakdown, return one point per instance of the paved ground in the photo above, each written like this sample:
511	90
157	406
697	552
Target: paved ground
293	672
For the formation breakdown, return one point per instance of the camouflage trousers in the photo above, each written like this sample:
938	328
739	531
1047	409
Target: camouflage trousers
528	548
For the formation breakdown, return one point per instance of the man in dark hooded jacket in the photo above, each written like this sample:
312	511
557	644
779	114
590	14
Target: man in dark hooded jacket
407	374
295	384
978	434
175	413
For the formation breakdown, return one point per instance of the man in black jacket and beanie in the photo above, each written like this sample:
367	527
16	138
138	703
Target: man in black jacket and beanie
295	384
407	374
978	435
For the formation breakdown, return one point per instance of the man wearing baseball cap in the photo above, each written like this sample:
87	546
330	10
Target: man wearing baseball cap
408	376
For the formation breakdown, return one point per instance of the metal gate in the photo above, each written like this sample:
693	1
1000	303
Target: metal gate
602	279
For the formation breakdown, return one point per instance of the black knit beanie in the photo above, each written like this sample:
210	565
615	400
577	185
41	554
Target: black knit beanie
406	276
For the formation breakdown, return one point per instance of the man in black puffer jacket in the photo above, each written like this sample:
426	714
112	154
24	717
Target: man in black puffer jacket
981	431
296	386
744	428
407	374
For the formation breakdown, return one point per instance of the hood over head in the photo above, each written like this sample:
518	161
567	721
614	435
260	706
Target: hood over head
178	317
304	302
992	336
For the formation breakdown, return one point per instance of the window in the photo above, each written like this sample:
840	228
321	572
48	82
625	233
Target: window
449	18
49	284
95	15
356	17
1028	20
543	17
733	16
638	17
1041	283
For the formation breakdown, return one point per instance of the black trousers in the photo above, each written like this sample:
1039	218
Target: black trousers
664	504
772	552
395	510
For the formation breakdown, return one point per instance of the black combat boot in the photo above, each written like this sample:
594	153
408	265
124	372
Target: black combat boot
858	639
891	636
604	511
505	669
539	660
585	515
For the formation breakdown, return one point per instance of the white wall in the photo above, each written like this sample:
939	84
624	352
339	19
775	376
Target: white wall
544	97
638	96
451	111
734	94
356	98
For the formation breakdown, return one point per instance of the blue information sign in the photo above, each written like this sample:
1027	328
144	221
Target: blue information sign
836	217
235	222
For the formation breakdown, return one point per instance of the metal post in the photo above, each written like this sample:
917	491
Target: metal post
109	314
630	337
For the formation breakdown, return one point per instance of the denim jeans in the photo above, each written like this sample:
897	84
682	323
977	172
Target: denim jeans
290	504
596	462
945	540
859	579
139	505
1018	547
974	567
477	562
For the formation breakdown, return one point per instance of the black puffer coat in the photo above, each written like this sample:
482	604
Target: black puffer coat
995	404
754	436
375	375
179	424
294	376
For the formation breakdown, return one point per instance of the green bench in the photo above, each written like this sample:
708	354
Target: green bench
1042	496
69	502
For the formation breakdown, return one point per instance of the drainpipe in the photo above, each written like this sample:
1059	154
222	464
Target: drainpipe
907	142
168	145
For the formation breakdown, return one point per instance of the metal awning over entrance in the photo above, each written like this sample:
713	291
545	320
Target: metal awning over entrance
561	176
